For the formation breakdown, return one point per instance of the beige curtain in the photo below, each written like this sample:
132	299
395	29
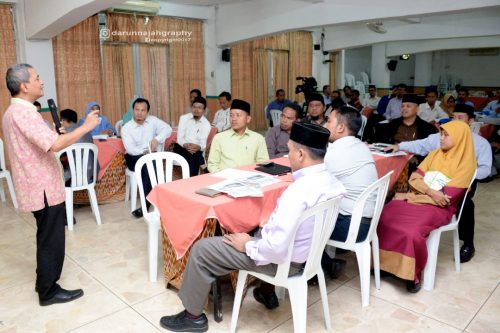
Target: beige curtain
292	57
118	76
7	55
333	70
260	90
77	65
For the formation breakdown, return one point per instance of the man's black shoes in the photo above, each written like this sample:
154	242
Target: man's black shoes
413	287
137	213
466	253
182	323
62	296
268	299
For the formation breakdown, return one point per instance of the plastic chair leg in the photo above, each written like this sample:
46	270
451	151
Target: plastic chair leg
324	298
94	204
432	253
456	250
69	208
127	187
242	278
376	261
363	258
2	191
298	300
133	194
153	251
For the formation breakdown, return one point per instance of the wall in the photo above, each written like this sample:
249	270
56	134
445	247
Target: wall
358	60
405	71
456	66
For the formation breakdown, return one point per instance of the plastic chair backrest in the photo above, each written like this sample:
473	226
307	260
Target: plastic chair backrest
475	127
379	187
364	120
78	155
160	166
275	116
2	157
465	196
118	126
325	216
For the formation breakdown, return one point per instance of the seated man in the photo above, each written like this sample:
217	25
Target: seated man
483	153
315	111
192	136
217	256
192	94
393	110
462	96
371	101
138	135
350	161
355	101
277	137
239	145
430	110
278	104
221	118
69	118
492	108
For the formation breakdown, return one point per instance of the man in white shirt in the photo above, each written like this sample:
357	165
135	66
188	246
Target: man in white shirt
351	162
430	111
222	120
141	133
393	110
372	100
326	95
192	136
217	256
192	94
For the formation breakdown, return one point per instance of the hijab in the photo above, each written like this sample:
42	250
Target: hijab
444	105
457	163
129	115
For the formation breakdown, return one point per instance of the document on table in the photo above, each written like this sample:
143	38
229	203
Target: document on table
244	176
241	183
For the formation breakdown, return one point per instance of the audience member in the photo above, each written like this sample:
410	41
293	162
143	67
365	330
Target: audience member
384	100
104	126
430	111
351	162
316	110
192	95
36	175
493	107
239	145
355	102
405	222
278	104
129	115
217	256
143	134
463	94
334	95
372	100
393	110
483	155
347	94
222	121
277	136
448	104
326	95
192	136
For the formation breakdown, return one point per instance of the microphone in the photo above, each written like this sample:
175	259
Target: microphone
53	112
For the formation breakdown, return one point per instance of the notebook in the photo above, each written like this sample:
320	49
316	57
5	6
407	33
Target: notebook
274	169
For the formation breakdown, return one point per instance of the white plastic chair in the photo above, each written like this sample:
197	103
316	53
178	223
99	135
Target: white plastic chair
118	127
365	78
4	173
275	116
433	245
78	155
164	163
364	120
131	189
362	249
325	215
475	127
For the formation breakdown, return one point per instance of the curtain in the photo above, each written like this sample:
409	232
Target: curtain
333	70
118	78
8	55
292	57
77	65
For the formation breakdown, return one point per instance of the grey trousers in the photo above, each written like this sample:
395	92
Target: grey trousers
210	258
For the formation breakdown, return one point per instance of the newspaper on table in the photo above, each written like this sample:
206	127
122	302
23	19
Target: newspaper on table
241	183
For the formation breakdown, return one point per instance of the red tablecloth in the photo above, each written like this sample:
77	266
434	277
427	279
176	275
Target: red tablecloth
107	151
480	102
183	212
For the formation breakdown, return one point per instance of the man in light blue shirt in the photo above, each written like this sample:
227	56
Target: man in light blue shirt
491	109
278	104
393	110
465	113
217	256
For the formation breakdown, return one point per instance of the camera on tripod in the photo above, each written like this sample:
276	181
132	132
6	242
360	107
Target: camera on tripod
308	86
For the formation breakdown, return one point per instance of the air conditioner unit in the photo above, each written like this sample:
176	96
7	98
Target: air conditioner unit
146	7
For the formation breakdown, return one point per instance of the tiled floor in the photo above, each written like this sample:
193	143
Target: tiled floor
110	263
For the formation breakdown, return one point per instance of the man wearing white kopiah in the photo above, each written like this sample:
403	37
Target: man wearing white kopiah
217	256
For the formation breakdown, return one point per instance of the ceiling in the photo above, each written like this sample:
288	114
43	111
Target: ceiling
204	2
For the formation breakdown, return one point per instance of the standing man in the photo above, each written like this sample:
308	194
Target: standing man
38	177
393	110
465	113
316	111
222	120
218	256
277	137
430	111
326	95
278	104
139	135
192	136
239	145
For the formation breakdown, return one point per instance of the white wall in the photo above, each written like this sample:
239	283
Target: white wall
358	60
405	71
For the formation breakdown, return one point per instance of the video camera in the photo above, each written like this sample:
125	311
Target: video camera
308	86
